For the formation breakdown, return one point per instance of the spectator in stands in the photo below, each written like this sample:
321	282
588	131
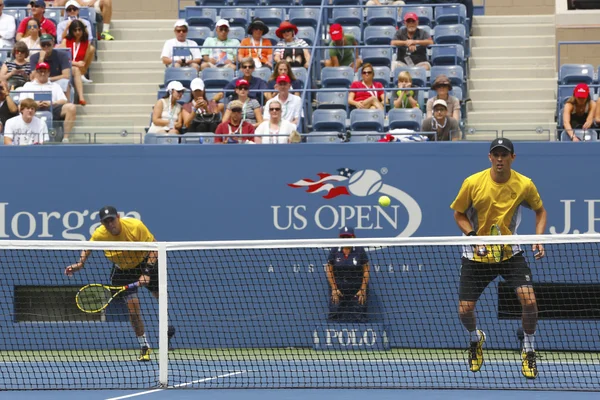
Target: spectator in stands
366	99
443	86
412	43
8	28
291	104
251	110
257	85
192	60
199	115
59	62
82	53
32	37
38	8
276	126
579	112
61	110
446	127
406	98
102	7
166	114
261	51
17	70
292	49
235	126
220	51
385	3
8	108
71	14
26	128
282	68
341	57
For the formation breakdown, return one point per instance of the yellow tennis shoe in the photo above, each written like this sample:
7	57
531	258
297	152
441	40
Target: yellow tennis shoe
529	365
145	354
476	353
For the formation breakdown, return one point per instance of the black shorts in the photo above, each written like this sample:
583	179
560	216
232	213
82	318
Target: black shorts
122	277
475	276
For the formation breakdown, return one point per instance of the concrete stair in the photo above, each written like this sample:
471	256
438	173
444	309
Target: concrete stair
512	77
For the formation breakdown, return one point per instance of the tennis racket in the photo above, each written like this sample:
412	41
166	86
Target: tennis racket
96	297
497	249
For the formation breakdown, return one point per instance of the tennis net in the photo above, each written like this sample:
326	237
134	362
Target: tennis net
259	314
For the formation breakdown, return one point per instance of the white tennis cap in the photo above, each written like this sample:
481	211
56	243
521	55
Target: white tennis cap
222	22
197	84
73	3
180	22
440	102
175	85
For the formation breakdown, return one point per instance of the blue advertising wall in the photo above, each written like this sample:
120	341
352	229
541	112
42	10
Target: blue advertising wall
260	192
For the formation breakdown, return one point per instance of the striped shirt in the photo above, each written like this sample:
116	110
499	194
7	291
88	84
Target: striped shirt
297	42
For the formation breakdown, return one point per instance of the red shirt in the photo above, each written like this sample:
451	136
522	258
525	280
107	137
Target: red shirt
46	26
363	95
78	50
225	128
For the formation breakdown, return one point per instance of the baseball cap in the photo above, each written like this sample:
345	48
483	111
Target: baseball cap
222	22
107	212
180	22
175	85
336	32
73	3
39	3
46	37
197	84
283	78
42	65
411	15
581	91
440	102
347	231
503	143
241	82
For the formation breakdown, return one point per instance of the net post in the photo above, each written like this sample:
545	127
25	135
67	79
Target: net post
163	317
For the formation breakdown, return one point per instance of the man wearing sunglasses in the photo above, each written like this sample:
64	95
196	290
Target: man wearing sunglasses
38	8
193	59
8	28
220	51
58	60
72	13
256	85
103	12
235	126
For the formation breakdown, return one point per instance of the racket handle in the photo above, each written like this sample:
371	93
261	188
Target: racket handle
132	285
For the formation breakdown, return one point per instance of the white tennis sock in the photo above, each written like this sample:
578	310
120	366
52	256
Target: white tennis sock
529	342
142	341
106	28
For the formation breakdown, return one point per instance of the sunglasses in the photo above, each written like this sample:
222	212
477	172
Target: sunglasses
274	109
243	88
36	6
32	27
46	44
410	21
236	110
248	66
72	9
367	72
180	91
223	28
288	31
180	30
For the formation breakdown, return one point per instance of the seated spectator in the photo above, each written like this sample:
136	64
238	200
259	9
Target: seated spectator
38	8
597	118
367	99
291	104
8	108
280	128
26	128
220	51
32	37
257	85
251	110
192	60
282	68
261	51
82	53
103	9
61	110
71	14
235	126
579	111
342	57
446	127
8	28
385	3
166	114
17	70
412	44
406	98
199	115
443	86
291	49
59	62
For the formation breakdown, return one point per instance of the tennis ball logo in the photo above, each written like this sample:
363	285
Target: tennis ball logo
365	183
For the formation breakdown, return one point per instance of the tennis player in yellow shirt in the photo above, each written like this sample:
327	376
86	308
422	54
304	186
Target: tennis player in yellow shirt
495	196
128	266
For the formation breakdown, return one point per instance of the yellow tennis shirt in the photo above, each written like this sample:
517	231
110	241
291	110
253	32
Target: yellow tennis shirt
132	230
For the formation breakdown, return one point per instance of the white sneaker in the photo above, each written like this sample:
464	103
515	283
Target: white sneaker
65	140
86	80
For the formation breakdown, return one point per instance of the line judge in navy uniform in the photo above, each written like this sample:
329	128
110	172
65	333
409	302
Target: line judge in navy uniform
348	276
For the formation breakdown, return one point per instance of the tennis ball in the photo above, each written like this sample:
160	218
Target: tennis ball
384	201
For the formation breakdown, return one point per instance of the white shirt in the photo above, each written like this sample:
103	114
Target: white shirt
23	133
291	108
62	26
283	132
8	29
167	50
35	86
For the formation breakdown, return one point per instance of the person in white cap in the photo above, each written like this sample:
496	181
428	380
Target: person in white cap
72	13
166	115
102	7
220	51
446	127
192	60
200	115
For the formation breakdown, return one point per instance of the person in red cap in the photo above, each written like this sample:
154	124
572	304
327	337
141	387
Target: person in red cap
291	105
291	48
251	111
412	43
579	112
342	57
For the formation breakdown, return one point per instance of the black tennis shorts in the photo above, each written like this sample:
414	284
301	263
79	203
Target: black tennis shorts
475	276
122	277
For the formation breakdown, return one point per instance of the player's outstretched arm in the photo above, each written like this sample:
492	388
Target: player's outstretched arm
71	269
541	218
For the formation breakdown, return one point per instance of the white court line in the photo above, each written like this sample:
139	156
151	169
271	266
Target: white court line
177	386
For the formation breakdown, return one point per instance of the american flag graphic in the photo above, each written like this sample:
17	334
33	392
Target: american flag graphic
332	185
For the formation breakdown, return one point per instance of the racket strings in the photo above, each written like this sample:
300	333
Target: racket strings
94	298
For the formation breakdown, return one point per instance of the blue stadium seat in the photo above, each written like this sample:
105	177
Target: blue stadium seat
450	14
323	137
271	34
301	74
54	14
46	117
332	100
351	30
333	77
347	16
301	16
450	34
329	120
237	32
381	75
196	138
201	16
424	13
382	16
346	2
18	13
367	120
418	75
454	72
280	2
236	16
373	35
217	78
585	136
564	92
307	33
576	73
5	54
212	3
377	56
364	137
405	118
426	28
263	73
248	3
16	3
448	55
184	75
199	34
158	138
270	16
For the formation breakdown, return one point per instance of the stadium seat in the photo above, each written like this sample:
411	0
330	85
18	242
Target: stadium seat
248	3
575	73
212	3
46	117
271	34
301	74
564	92
332	100
236	16
364	137
18	13
201	16
585	136
237	32
426	28
373	35
307	33
366	120
280	2
454	72
382	16
184	75
194	137
405	118
450	14
346	2
199	34
329	120
377	56
347	16
456	92
217	78
351	30
424	13
301	16
448	55
159	138
450	34
54	14
381	75
270	16
334	77
16	3
418	75
5	54
263	73
323	137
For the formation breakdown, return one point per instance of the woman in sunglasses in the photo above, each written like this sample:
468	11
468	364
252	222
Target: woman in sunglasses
32	37
166	115
291	48
251	110
17	70
276	126
82	54
373	98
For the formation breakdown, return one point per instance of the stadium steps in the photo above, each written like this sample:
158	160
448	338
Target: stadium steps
512	77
